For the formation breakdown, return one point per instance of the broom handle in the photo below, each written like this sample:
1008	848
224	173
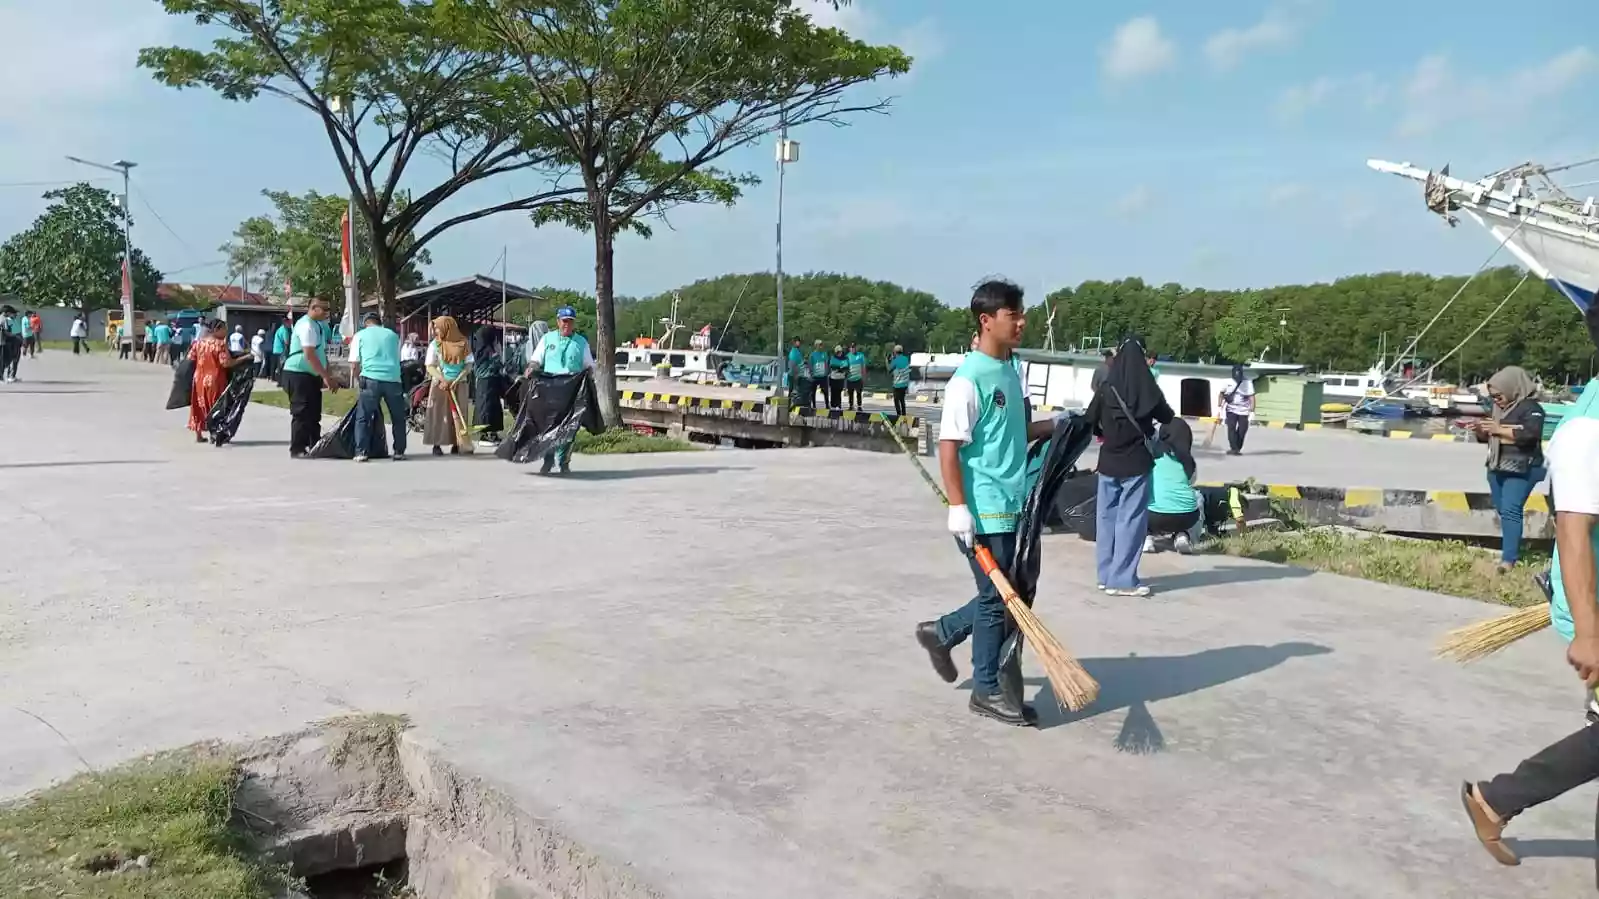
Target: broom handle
916	464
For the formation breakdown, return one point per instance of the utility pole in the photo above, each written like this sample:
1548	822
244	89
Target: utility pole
122	165
787	152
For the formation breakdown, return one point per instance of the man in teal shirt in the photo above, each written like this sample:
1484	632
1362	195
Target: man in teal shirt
148	350
375	369
982	455
818	373
305	373
280	346
900	368
857	376
561	352
794	373
161	334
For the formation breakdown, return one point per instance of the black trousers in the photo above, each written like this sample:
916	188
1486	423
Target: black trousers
899	401
1237	429
126	352
305	410
1166	524
812	389
835	393
1554	771
10	355
854	389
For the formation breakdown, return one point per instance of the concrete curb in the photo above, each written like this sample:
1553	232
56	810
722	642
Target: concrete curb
1441	512
692	402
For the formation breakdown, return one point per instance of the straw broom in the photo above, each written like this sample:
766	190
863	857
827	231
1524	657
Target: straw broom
1475	641
1073	686
463	433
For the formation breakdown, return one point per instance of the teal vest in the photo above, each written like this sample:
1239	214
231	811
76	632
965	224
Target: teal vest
379	354
1560	607
818	364
994	464
296	360
901	367
857	366
563	355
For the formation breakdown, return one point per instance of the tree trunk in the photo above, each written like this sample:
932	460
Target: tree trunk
387	274
605	314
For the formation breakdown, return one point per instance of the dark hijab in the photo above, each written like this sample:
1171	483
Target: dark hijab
1177	439
485	342
1238	374
1130	378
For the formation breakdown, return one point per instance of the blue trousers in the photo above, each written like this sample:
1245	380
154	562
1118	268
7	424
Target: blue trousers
982	618
1509	492
369	414
1121	524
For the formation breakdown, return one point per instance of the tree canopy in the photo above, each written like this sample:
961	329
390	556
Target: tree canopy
1338	326
640	98
72	254
300	243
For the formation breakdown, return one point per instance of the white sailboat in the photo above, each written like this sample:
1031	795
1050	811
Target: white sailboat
1552	233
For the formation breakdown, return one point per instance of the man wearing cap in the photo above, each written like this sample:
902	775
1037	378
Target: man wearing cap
375	369
818	373
561	352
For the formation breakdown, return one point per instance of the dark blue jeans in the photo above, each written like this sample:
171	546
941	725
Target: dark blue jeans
1509	492
368	413
983	618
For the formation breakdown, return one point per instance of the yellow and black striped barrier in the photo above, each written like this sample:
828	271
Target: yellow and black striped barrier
1444	513
692	402
932	398
1377	497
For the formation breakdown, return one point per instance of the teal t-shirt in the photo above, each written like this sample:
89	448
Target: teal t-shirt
839	366
163	334
378	352
280	341
994	464
564	355
857	365
796	364
20	326
1170	493
900	366
307	329
818	364
1560	607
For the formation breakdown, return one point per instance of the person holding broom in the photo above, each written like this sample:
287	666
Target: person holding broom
982	455
1573	460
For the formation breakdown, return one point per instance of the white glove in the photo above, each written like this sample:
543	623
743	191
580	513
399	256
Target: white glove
962	525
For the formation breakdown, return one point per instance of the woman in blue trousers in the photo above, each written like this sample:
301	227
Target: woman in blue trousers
1124	411
1515	453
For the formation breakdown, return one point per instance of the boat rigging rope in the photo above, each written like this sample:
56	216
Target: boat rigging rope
1474	331
1399	359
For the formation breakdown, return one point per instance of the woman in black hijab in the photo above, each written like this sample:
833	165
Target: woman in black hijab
1124	411
488	372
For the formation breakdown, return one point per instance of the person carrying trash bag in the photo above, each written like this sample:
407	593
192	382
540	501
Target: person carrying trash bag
561	352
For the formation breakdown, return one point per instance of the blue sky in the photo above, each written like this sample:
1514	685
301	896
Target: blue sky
1218	144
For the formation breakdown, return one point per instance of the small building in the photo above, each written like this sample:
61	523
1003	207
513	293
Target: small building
1064	380
471	301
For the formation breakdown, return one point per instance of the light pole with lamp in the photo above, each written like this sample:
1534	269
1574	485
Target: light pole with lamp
352	280
122	165
787	152
1282	329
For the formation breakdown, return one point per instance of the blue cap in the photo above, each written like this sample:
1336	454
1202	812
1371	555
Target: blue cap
566	312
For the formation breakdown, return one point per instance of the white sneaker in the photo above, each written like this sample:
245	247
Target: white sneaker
361	458
1140	590
1182	544
1149	544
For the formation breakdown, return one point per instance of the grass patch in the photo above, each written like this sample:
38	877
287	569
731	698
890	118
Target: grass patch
334	404
173	809
618	441
1441	566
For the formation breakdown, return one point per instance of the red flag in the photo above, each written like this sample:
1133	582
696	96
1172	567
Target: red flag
705	331
344	248
127	283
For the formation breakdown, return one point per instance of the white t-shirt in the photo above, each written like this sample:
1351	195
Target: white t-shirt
409	352
961	410
236	342
307	333
1573	460
1239	396
79	329
255	347
432	358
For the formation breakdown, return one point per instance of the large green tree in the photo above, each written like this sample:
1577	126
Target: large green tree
389	82
643	97
72	254
300	242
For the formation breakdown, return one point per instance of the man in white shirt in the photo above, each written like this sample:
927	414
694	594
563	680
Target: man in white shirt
410	351
236	341
258	352
80	335
1238	399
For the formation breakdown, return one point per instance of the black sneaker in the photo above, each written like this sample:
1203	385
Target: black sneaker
1000	708
937	652
545	468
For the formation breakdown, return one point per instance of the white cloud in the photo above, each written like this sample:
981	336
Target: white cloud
1435	93
1136	49
1275	30
1134	203
1297	99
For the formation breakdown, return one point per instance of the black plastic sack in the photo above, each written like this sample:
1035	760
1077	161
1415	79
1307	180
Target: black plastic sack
182	384
553	409
339	443
223	421
1078	505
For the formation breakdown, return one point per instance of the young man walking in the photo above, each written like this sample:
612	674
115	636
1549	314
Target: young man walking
900	368
856	382
80	335
34	325
795	375
305	373
982	455
162	335
561	352
375	369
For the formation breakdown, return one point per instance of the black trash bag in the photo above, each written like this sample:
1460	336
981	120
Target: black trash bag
182	384
339	443
223	421
1078	505
553	409
1052	464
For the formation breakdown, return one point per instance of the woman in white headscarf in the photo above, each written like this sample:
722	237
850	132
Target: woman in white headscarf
1515	452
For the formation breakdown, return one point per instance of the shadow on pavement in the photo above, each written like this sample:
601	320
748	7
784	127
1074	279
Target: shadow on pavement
1224	574
1132	682
628	474
1551	848
258	443
45	392
82	463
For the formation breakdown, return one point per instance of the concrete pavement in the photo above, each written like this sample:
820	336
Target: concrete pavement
699	666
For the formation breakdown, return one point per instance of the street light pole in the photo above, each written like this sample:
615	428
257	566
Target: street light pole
122	165
787	152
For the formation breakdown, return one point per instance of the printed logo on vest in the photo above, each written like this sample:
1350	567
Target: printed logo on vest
999	398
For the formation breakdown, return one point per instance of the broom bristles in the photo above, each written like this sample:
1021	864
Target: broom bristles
1475	641
1073	686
